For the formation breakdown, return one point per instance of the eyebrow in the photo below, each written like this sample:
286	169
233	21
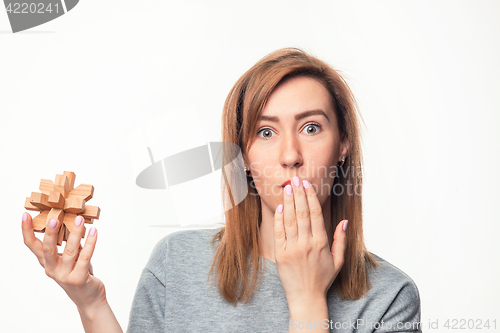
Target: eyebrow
298	116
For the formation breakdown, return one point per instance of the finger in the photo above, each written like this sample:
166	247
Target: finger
77	255
339	245
316	212
50	245
82	266
289	217
301	210
279	231
30	240
70	253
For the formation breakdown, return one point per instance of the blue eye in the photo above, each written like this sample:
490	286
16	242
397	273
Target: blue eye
268	130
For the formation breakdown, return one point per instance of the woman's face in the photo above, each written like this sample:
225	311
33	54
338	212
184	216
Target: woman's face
297	135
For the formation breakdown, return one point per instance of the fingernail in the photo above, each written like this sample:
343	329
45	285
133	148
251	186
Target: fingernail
345	225
280	208
92	231
25	217
306	184
288	189
295	180
52	223
78	220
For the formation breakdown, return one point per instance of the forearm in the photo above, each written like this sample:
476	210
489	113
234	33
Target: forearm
309	315
99	319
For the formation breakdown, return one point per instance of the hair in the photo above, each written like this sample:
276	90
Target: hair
239	249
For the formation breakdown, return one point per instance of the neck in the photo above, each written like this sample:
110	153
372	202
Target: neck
266	230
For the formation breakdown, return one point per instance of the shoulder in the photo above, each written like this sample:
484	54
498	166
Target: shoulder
186	237
184	246
387	276
393	290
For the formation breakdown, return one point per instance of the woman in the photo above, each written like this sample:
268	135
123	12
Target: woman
291	255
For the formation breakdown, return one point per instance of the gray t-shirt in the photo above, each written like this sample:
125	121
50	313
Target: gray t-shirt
173	296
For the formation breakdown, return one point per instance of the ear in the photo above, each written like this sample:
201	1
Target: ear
344	147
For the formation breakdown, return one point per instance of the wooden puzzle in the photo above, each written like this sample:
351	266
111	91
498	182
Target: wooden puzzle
60	200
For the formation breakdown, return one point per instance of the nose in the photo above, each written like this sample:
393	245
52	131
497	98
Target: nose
291	152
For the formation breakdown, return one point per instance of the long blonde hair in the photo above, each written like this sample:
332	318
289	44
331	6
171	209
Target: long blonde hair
238	249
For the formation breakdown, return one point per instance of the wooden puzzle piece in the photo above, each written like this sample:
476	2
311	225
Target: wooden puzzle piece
46	186
40	200
56	199
91	212
71	178
29	206
40	221
61	201
74	205
60	235
62	185
83	190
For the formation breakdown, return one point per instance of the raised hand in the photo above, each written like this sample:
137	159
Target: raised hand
71	269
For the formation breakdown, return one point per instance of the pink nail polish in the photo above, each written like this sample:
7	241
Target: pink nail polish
288	189
52	223
92	231
280	208
305	183
25	217
345	225
295	180
78	220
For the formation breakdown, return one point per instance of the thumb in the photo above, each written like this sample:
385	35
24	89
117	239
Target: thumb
339	244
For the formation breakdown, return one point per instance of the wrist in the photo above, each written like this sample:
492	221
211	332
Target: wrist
92	311
305	300
308	305
99	317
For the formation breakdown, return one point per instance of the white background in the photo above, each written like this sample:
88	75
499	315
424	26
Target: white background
426	74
